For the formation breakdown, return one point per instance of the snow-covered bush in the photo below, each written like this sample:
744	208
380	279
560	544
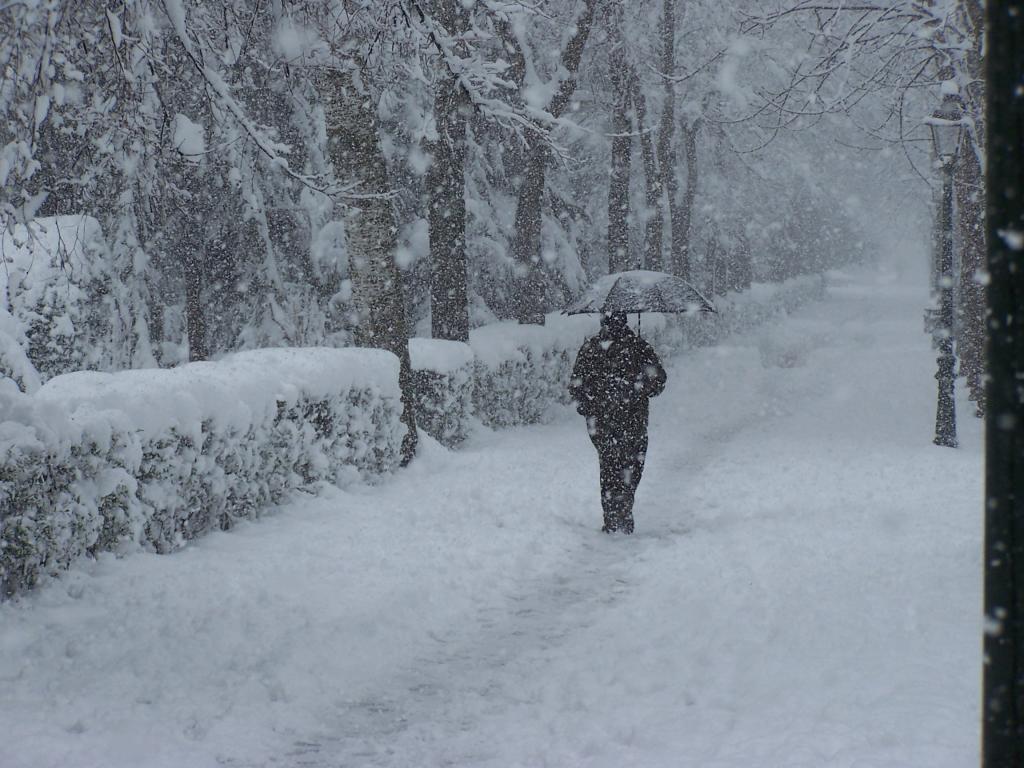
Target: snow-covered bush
14	363
57	284
96	461
443	374
508	374
742	311
521	370
524	370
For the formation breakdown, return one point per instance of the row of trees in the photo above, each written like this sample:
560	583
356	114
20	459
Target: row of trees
299	172
879	66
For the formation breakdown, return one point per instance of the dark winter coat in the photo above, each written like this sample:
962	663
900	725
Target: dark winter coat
615	375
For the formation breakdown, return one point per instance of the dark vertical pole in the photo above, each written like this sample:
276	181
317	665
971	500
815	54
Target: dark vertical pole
1003	698
945	413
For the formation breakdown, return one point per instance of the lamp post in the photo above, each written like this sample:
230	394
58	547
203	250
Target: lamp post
946	125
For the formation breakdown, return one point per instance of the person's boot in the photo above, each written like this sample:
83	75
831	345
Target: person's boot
617	517
610	510
626	518
611	520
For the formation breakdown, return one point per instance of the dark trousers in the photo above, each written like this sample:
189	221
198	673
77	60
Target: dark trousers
621	451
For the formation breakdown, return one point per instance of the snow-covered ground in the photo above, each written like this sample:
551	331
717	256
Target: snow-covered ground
804	589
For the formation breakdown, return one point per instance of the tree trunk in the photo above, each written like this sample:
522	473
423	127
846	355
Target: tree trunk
446	181
970	213
970	191
744	264
653	236
1003	694
622	145
678	260
682	212
529	209
512	151
195	312
526	240
353	148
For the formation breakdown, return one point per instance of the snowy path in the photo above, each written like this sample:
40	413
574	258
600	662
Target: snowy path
803	590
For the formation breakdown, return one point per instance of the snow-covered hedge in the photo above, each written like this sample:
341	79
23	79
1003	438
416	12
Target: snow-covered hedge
508	374
523	370
96	461
739	312
443	380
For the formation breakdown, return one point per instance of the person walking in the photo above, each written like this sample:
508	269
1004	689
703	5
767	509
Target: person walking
615	376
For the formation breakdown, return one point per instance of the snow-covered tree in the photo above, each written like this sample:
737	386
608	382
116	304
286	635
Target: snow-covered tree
881	65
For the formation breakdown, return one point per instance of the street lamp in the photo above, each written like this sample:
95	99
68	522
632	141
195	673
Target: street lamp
947	126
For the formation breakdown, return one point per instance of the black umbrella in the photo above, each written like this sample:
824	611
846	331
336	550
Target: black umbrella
640	291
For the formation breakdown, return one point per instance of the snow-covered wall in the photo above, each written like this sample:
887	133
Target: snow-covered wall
97	461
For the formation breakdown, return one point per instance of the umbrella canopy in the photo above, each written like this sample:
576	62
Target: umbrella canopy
640	291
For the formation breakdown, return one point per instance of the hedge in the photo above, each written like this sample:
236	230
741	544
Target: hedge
95	461
100	461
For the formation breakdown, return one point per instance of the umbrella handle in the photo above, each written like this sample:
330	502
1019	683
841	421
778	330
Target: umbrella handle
638	329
